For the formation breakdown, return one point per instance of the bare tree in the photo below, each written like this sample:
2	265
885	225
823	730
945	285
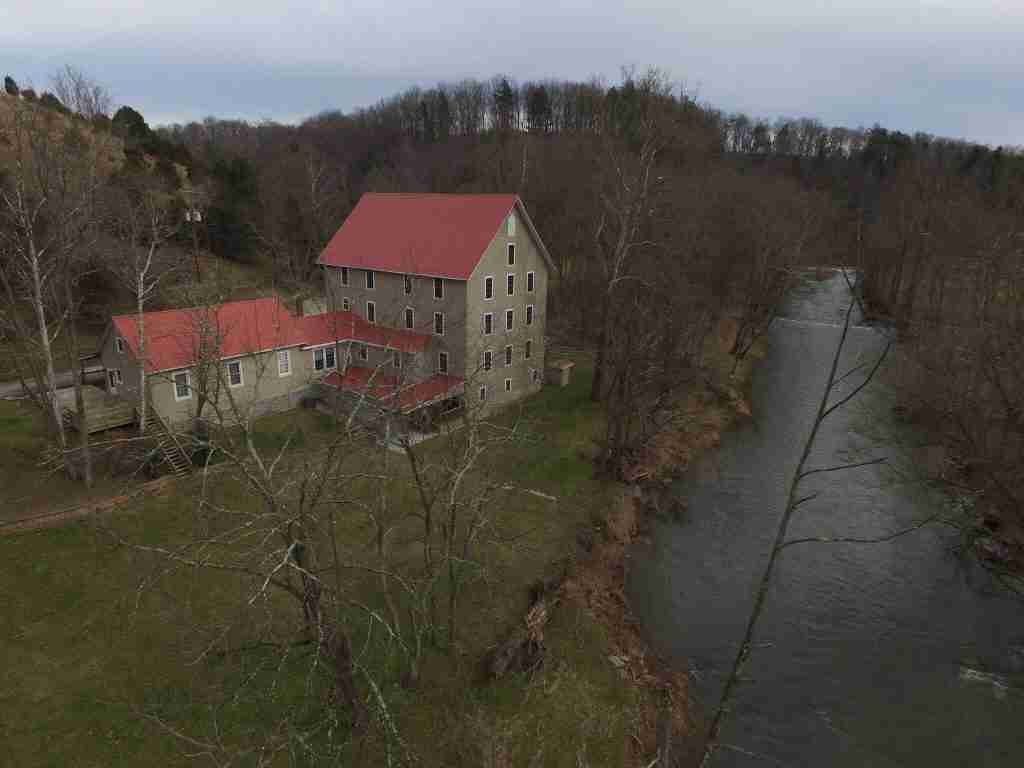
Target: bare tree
80	93
143	220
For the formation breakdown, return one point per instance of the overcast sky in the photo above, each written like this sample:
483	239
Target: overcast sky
949	67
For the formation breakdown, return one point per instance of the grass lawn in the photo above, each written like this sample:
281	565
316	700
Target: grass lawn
85	650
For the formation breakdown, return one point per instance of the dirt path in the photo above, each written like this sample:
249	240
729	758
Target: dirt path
58	517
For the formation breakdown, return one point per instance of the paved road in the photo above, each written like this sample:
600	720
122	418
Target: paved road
13	389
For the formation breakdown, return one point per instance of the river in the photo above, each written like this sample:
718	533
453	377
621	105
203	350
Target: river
893	654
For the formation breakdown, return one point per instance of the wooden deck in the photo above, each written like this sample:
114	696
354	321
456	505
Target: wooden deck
104	410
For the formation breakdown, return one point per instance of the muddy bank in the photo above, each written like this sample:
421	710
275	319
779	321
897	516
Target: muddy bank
597	583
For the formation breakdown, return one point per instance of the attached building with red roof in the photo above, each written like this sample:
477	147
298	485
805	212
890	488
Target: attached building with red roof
430	298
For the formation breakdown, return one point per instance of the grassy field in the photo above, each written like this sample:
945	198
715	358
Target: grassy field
86	649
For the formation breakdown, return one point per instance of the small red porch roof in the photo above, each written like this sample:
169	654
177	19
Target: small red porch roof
387	388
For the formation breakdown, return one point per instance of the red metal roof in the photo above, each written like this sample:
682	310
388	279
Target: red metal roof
421	234
174	337
386	388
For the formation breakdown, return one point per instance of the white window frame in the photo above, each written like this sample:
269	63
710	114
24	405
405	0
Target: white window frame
396	359
485	330
114	378
364	352
510	320
344	276
531	281
439	315
410	318
534	379
510	355
188	385
510	254
508	385
510	225
407	285
442	367
119	345
529	314
489	281
438	284
284	355
371	312
241	376
371	279
527	349
487	363
483	393
346	305
510	283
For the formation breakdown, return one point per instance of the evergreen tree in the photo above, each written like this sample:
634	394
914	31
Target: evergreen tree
10	86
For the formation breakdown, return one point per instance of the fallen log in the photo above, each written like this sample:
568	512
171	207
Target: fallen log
523	648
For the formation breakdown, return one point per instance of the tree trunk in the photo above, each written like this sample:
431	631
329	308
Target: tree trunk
603	334
83	416
140	324
337	647
44	340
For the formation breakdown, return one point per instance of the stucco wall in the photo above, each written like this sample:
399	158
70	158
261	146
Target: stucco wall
390	299
494	263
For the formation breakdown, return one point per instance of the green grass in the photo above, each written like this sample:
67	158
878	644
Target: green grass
85	649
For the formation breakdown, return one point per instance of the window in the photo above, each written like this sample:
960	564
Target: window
508	355
371	312
529	282
439	323
114	377
119	343
369	279
510	315
345	304
442	362
510	284
182	386
410	318
323	359
407	285
511	225
529	314
363	353
284	362
508	385
511	254
396	359
527	350
438	288
488	323
235	373
534	377
488	288
483	394
344	275
487	360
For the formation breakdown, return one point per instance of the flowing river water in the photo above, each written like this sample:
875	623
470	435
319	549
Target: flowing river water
893	654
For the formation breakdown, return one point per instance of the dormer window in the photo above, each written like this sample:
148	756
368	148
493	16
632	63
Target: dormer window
119	343
511	225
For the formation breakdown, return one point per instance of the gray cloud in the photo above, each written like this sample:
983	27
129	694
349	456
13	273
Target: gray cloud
950	67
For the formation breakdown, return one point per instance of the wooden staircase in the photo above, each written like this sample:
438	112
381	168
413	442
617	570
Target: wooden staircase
168	444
